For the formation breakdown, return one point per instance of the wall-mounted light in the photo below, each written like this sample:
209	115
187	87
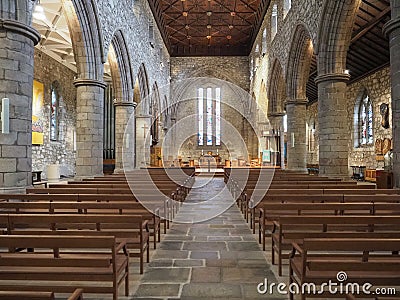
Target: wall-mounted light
5	116
293	139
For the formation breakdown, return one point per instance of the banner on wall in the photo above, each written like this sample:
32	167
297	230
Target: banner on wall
266	156
37	113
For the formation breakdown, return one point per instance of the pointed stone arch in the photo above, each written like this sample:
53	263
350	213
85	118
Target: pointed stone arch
87	38
144	88
277	89
120	64
299	63
155	107
335	30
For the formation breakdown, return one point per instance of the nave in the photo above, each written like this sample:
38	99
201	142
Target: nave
201	241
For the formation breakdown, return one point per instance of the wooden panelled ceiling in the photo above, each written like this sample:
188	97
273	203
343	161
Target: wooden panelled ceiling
369	48
209	27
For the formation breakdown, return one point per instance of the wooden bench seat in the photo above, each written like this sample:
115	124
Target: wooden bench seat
113	208
171	204
365	260
164	204
59	262
21	295
252	205
384	200
288	229
129	228
271	212
37	295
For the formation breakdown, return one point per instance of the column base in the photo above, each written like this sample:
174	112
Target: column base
119	171
302	171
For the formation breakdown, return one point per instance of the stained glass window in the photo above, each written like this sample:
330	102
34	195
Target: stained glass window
209	116
287	5
274	21
218	117
201	119
366	122
54	115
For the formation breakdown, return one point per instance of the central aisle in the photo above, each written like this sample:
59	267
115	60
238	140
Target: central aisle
215	259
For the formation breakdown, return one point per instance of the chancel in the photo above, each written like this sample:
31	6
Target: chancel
199	149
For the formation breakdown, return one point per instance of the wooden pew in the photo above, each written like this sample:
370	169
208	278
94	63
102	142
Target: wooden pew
29	295
131	229
26	295
364	260
83	260
384	200
168	206
102	208
150	202
252	204
288	229
271	212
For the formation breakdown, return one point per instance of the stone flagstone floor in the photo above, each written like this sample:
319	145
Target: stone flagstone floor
217	258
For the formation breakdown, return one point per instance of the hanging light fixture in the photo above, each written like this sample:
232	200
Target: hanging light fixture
38	12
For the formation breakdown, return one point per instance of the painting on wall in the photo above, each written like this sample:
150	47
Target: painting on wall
37	113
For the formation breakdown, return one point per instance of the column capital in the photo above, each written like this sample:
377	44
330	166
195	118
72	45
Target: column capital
143	116
125	104
390	26
296	102
337	77
89	82
21	28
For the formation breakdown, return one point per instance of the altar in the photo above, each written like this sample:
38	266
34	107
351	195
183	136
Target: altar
210	162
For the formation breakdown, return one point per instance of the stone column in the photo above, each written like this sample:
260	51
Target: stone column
124	134
297	140
276	121
143	141
392	30
333	125
89	127
17	41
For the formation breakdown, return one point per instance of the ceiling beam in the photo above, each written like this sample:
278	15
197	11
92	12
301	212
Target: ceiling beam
364	30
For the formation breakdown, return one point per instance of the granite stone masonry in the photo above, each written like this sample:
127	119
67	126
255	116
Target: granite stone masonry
62	151
17	39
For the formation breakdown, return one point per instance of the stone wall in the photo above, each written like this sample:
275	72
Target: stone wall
133	19
232	76
234	69
379	90
62	151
